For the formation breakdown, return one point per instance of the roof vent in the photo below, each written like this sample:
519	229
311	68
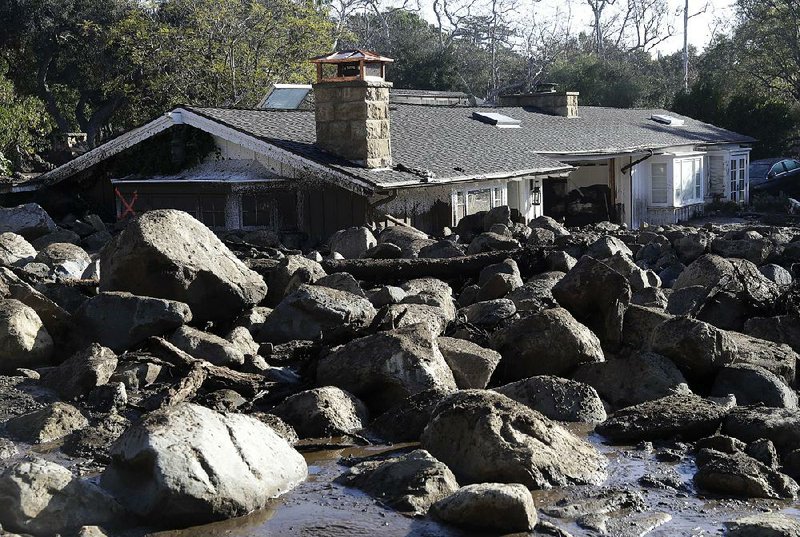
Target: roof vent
667	120
288	97
498	120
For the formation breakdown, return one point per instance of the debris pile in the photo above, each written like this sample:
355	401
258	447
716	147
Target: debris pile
161	376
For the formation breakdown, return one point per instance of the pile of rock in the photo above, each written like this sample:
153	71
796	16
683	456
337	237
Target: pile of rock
184	371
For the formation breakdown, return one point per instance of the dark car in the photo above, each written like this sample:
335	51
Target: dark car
775	175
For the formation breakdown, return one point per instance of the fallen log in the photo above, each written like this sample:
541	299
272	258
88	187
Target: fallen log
183	390
529	260
216	377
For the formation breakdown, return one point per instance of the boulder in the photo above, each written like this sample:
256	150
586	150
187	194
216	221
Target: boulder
207	346
404	315
136	375
445	249
499	507
29	220
285	274
690	246
638	278
386	295
386	250
409	483
83	371
557	398
24	340
737	474
546	222
323	412
540	237
352	242
651	297
497	280
783	329
405	421
484	436
608	246
341	281
778	359
121	320
776	274
639	324
42	498
560	261
753	385
65	259
597	295
187	464
780	425
15	250
491	242
641	377
169	254
313	311
489	313
764	451
471	364
764	525
754	249
687	416
385	368
697	348
497	215
548	343
60	235
52	422
410	240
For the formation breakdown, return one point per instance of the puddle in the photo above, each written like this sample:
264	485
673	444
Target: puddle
321	509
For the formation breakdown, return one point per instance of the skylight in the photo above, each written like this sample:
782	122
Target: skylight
498	120
667	120
286	97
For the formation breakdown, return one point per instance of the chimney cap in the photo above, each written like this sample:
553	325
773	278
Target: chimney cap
354	55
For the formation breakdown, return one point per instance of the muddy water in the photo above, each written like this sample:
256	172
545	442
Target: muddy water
321	509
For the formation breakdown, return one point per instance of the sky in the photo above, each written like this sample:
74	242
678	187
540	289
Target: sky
702	27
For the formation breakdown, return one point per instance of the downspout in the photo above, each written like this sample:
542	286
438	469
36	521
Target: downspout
625	169
371	208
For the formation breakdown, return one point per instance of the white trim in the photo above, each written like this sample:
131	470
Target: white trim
109	149
519	174
237	180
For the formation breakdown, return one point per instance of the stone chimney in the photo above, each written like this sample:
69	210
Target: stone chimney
351	103
547	101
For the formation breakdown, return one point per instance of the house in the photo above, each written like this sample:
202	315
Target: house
366	153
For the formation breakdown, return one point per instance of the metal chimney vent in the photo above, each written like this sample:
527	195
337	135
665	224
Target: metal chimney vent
498	120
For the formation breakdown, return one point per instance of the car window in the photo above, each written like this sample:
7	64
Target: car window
778	168
791	164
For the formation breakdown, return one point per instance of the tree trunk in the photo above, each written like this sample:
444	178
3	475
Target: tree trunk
47	95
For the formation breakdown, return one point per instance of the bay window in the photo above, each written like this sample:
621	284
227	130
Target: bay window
471	199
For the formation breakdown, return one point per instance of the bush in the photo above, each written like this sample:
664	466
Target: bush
723	207
769	203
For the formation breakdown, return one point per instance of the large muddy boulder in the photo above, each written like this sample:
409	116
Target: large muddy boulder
737	474
548	343
121	320
352	242
384	368
783	329
64	259
29	220
169	254
313	311
41	498
764	525
409	483
472	365
697	348
501	507
780	425
188	465
596	295
405	421
430	292
686	416
753	385
15	250
50	423
207	346
82	372
408	239
289	274
484	436
323	412
24	340
557	398
627	381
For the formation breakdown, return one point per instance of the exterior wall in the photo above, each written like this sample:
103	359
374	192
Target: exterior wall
673	215
352	120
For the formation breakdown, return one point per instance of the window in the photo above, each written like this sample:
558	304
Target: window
257	211
659	183
473	200
212	210
688	181
738	179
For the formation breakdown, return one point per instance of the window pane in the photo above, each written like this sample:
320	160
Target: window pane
659	183
479	200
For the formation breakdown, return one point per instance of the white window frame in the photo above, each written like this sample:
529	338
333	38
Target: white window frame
742	195
667	175
498	192
697	162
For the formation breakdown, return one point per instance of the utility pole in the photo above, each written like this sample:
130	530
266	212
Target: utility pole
686	47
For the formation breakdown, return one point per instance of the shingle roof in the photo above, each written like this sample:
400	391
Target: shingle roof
448	142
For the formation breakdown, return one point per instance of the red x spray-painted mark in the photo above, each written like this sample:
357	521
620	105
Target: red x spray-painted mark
128	206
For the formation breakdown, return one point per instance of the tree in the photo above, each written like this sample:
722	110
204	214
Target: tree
24	125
